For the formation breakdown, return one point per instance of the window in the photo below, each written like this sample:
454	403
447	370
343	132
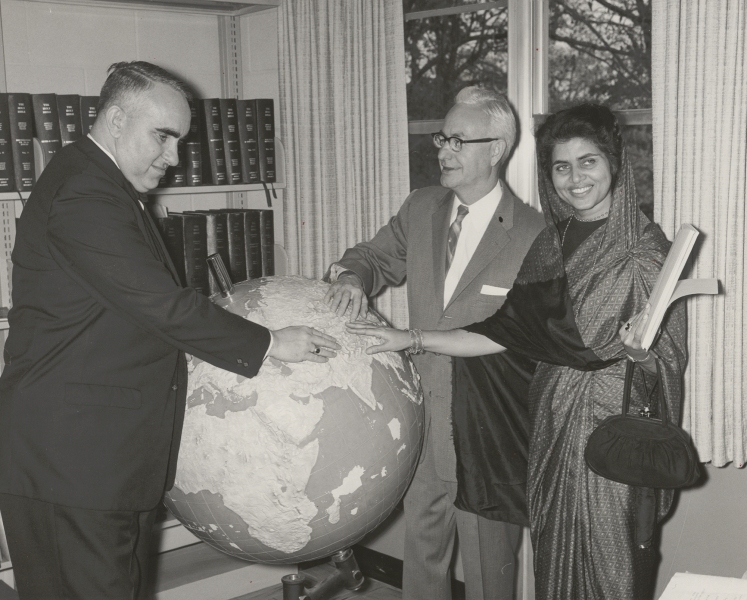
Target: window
597	51
600	51
449	44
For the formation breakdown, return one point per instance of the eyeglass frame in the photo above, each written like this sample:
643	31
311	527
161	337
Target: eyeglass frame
459	140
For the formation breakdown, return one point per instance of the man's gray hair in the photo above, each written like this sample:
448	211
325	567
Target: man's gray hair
128	79
495	105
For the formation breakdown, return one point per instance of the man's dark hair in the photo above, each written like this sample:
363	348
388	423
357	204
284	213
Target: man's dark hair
592	122
127	79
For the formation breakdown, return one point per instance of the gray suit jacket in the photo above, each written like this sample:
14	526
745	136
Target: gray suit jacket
412	246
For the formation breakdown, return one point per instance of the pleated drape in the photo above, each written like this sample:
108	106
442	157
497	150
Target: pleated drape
699	74
344	126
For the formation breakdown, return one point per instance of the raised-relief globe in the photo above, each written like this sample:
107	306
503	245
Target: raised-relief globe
303	459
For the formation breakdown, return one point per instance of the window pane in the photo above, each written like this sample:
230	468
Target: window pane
600	52
639	142
424	169
445	54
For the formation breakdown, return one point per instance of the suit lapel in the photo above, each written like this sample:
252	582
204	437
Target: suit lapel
145	221
156	241
439	234
494	239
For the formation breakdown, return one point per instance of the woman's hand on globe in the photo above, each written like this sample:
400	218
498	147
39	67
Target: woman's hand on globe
297	344
394	340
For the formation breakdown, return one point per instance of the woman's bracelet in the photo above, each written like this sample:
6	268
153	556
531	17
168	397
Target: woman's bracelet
646	358
416	342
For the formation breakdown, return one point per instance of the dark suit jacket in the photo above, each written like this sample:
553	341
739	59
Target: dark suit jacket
412	246
92	396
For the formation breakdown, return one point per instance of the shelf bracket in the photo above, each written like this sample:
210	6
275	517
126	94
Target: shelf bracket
232	85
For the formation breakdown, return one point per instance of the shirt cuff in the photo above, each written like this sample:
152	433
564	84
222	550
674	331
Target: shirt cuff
337	270
272	340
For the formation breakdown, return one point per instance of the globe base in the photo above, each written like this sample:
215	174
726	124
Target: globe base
346	575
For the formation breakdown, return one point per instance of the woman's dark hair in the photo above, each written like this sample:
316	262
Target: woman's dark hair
592	122
132	78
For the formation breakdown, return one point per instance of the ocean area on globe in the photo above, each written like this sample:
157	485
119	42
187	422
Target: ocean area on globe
304	459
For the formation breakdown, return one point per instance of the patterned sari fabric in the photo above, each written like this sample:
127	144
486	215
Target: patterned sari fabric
567	316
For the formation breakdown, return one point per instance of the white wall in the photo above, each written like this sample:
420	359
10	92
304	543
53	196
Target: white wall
67	49
707	532
259	40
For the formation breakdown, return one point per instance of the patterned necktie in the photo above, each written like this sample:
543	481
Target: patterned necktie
454	230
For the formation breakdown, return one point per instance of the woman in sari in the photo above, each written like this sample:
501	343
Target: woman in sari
578	307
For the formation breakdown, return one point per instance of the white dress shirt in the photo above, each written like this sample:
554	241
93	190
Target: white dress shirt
473	228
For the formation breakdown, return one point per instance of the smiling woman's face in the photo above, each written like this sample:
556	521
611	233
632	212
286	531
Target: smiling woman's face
582	178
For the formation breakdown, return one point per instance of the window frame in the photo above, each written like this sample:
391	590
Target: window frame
528	50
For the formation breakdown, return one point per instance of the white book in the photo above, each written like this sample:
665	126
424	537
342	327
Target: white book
688	586
667	281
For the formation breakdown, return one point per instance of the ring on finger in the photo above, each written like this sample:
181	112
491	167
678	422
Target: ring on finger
317	350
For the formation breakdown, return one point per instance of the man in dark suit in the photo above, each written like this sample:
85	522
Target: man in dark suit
93	393
459	247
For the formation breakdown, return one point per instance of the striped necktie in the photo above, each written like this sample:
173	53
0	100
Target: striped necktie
454	230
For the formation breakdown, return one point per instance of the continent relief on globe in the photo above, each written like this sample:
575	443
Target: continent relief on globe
304	459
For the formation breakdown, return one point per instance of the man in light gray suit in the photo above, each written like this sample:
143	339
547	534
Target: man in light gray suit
459	247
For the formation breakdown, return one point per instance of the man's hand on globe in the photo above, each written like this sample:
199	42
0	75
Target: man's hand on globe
300	343
347	290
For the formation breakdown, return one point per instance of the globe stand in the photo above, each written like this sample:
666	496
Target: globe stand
346	575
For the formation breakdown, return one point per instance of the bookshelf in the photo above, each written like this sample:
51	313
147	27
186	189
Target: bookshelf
225	49
210	7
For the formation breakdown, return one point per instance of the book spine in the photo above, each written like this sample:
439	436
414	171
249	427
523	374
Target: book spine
7	181
193	147
214	171
172	233
68	110
217	243
236	246
265	111
194	234
267	238
253	243
88	113
47	126
231	144
21	135
7	238
247	125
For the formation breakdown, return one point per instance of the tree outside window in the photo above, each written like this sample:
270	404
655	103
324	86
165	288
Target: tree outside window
599	51
445	53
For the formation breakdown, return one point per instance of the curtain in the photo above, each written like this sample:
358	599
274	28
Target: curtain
699	75
344	126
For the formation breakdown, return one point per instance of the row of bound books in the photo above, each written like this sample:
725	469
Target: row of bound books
230	142
244	239
54	120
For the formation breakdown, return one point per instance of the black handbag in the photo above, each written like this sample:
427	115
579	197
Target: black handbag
642	451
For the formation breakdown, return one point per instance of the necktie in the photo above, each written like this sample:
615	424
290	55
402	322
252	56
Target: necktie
454	230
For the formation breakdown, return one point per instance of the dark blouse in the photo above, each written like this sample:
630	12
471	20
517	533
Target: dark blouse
574	233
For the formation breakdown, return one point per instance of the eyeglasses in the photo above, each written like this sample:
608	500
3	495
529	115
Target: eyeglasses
455	143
